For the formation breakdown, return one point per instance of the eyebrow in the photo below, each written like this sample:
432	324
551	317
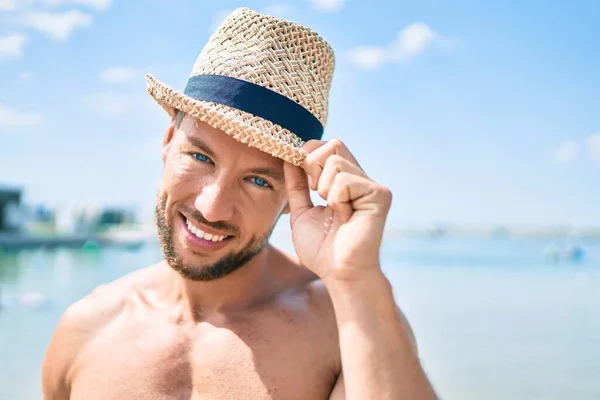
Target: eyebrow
270	172
196	142
274	174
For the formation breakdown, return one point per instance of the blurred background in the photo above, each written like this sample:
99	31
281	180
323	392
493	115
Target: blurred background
482	117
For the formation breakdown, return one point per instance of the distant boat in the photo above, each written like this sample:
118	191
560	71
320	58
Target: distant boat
123	236
576	253
565	253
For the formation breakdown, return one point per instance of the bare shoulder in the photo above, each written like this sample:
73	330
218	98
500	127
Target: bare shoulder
300	280
79	323
93	311
321	301
318	316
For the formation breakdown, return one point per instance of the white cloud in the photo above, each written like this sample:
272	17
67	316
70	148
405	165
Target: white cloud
327	5
411	42
108	104
368	57
278	10
36	15
7	5
12	119
566	153
58	26
12	46
11	5
120	75
593	142
96	4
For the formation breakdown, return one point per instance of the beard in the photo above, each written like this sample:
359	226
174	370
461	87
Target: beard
204	272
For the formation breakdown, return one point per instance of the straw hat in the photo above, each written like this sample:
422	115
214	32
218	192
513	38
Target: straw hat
263	80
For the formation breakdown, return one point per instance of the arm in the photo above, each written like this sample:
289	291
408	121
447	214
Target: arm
379	357
341	243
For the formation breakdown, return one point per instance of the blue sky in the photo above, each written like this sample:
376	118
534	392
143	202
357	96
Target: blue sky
471	112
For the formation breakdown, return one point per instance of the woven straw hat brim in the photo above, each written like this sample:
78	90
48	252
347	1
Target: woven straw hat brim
246	128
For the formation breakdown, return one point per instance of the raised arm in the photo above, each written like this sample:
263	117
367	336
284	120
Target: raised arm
378	349
341	243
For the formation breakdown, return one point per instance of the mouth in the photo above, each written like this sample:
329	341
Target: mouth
199	237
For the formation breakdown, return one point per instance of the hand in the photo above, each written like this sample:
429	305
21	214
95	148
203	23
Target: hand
339	241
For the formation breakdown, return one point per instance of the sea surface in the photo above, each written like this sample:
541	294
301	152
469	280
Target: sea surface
495	318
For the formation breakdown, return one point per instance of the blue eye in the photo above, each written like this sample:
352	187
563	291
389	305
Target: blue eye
260	182
201	157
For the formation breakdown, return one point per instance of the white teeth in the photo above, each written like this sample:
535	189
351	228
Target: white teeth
203	235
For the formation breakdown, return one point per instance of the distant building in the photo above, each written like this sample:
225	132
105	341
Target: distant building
10	209
115	216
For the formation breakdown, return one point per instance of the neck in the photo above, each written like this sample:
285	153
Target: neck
235	292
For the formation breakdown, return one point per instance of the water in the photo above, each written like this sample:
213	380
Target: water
493	319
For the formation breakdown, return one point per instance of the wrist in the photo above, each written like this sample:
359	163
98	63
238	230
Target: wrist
371	280
368	301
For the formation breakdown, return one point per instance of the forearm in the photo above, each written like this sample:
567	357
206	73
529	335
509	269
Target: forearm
378	359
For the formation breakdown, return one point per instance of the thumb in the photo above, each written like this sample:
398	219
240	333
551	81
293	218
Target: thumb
298	192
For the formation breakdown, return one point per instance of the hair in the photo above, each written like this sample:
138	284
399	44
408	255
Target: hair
179	116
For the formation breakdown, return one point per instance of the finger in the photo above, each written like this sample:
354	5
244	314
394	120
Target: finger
350	193
333	166
319	153
312	145
296	184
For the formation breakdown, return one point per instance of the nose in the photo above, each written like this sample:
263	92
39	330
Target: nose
215	201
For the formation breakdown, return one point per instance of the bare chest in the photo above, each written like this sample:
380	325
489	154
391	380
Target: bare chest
154	359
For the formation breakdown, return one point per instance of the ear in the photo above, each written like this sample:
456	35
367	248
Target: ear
167	139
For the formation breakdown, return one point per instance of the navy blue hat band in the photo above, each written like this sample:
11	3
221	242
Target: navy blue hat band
256	100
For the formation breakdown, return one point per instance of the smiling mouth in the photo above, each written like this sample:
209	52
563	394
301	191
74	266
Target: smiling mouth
200	234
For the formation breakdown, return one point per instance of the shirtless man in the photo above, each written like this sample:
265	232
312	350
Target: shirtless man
228	316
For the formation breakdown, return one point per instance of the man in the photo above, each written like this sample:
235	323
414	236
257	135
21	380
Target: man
227	315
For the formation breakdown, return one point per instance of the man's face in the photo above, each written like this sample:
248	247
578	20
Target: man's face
218	202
